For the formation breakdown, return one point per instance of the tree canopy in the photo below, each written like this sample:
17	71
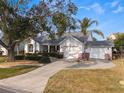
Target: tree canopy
58	16
19	21
119	41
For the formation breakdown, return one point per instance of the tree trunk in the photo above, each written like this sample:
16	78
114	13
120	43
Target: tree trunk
10	48
84	52
11	54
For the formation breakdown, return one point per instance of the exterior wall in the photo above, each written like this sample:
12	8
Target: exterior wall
5	51
19	49
90	38
36	46
99	53
71	48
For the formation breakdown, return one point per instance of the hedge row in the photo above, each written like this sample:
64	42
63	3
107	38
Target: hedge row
42	58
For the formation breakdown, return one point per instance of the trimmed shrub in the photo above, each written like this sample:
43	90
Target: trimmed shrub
41	58
19	57
45	59
60	56
56	55
34	57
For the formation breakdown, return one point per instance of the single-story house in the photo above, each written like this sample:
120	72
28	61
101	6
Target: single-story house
3	51
71	45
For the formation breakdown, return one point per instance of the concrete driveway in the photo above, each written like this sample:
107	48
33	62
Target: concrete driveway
34	81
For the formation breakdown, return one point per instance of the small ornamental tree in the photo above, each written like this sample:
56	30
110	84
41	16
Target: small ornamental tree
119	41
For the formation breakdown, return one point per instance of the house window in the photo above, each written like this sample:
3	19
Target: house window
58	48
30	48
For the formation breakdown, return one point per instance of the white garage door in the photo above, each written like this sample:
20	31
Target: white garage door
97	53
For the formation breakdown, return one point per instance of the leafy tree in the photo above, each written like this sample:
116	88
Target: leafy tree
119	41
14	27
64	20
60	21
18	21
53	17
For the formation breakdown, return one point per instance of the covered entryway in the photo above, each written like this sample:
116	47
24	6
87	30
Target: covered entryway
50	48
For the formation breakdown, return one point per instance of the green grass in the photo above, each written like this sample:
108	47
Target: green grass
88	81
3	59
9	72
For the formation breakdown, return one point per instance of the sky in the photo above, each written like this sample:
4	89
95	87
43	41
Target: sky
108	13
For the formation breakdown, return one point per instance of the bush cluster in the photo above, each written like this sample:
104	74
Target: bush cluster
41	58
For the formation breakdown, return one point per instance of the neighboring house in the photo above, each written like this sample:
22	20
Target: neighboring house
71	45
3	51
112	37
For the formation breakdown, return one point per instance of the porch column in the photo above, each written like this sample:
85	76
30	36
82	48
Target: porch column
48	48
56	48
17	49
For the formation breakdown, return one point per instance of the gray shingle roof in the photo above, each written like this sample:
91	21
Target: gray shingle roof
79	36
46	42
100	43
81	39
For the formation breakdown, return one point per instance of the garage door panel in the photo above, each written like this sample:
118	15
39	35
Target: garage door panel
97	53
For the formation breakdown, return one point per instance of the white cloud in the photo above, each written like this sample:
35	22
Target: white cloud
119	9
115	3
96	7
83	7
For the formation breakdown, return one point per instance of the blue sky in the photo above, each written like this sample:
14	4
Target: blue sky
109	13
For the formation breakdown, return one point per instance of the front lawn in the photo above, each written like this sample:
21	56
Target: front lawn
3	59
88	81
9	72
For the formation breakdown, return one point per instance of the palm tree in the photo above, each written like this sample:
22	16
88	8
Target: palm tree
85	24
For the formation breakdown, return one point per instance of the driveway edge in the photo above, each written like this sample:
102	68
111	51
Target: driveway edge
13	90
